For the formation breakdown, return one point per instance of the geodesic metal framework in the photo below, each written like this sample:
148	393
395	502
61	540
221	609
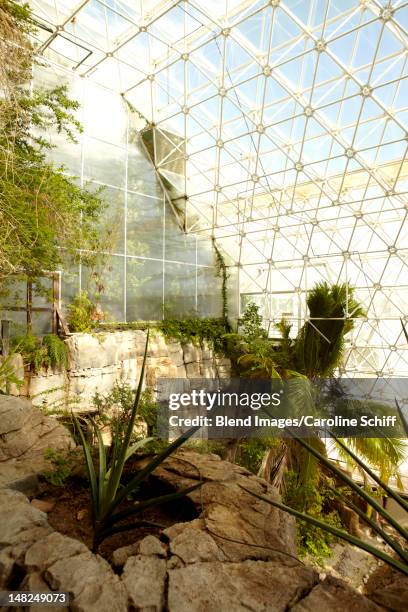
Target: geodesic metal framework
293	122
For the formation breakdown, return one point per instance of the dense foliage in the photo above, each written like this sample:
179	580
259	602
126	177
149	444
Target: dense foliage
316	351
7	375
44	215
83	315
197	331
390	530
317	500
319	346
37	353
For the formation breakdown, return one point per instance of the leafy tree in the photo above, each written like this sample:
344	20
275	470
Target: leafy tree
44	215
251	323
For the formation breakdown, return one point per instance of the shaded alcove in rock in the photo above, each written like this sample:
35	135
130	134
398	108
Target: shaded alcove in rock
71	513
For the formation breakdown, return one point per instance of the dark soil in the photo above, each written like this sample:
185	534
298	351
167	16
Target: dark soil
71	514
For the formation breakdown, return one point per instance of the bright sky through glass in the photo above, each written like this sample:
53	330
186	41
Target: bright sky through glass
294	117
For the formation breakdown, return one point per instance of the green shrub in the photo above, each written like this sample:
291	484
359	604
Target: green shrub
37	353
251	452
7	375
29	346
197	331
148	410
317	501
121	399
115	408
62	465
57	352
81	314
251	323
390	530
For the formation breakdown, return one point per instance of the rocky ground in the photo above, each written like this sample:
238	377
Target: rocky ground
238	555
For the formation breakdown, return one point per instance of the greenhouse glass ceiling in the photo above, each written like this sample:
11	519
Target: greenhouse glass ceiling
290	119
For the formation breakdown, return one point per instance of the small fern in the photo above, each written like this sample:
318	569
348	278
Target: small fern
56	351
48	352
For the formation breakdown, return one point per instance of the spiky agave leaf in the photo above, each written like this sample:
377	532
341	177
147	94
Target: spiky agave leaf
360	491
340	533
373	524
107	491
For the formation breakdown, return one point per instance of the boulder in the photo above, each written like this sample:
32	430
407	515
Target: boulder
144	578
393	596
193	545
334	595
21	525
25	434
238	587
55	547
91	581
150	545
67	565
240	525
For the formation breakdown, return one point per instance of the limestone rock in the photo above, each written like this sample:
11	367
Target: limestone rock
150	545
335	596
21	524
144	577
35	582
241	525
236	587
18	517
351	564
98	361
25	434
40	384
193	370
190	353
14	474
193	545
122	554
51	549
90	579
393	596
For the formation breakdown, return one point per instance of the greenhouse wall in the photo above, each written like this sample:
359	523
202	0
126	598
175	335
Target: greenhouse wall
154	269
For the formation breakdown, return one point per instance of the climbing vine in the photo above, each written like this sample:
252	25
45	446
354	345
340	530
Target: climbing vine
222	272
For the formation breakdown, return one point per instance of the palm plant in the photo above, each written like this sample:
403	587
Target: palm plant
400	559
384	454
319	346
316	352
105	475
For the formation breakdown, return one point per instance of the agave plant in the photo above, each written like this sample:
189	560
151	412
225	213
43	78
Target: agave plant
400	562
105	476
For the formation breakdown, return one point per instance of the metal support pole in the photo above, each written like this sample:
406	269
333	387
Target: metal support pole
5	337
